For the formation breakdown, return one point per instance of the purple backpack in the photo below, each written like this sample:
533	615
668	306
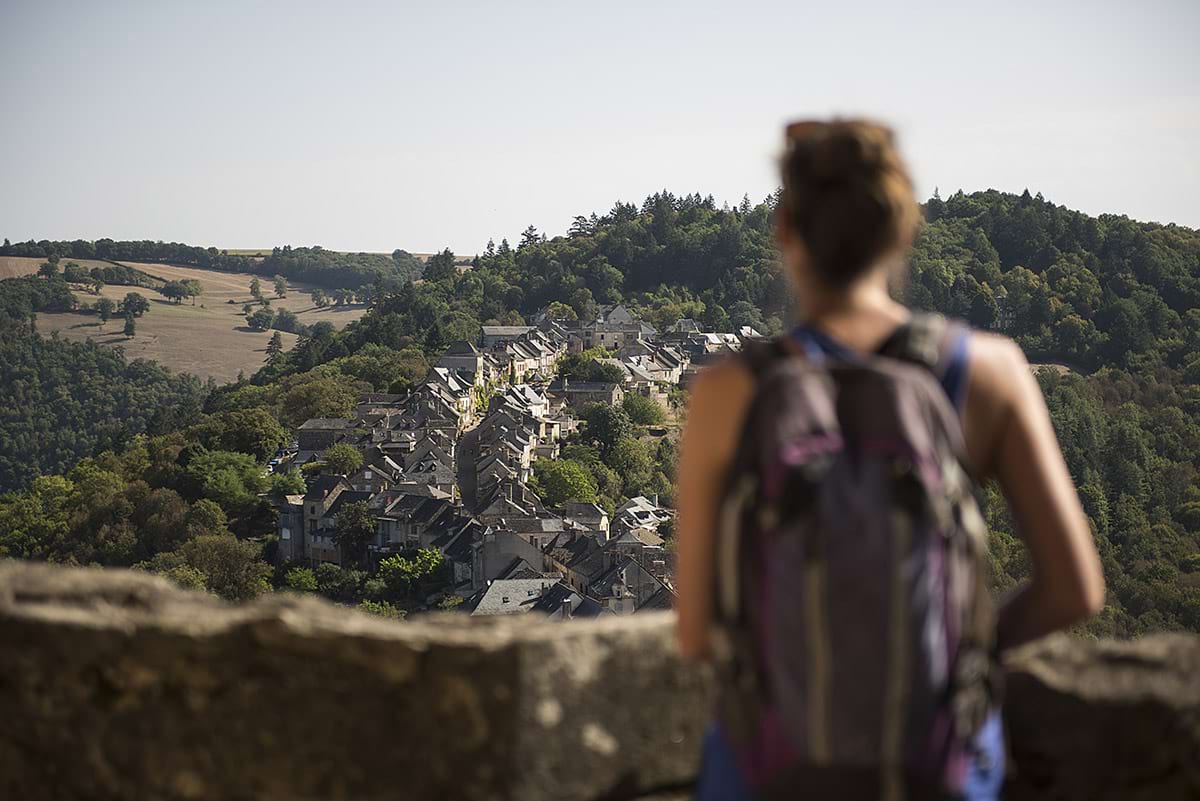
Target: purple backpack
854	629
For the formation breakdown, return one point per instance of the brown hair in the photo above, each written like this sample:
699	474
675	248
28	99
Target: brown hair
848	196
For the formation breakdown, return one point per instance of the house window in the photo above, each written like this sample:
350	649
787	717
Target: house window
368	475
504	599
285	534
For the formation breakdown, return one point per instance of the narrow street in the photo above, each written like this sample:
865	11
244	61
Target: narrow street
466	453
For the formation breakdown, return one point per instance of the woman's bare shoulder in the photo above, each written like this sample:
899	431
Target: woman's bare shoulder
998	365
1000	387
720	396
725	386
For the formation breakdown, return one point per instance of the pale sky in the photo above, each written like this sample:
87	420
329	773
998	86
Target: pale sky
372	126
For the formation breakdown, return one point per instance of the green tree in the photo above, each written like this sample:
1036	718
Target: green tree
174	290
193	289
643	411
105	307
275	346
231	567
130	326
288	482
206	518
402	574
256	288
280	286
339	584
319	298
133	304
232	480
261	319
342	459
564	480
300	579
316	395
286	320
254	431
440	267
185	576
606	424
557	310
381	609
631	460
356	529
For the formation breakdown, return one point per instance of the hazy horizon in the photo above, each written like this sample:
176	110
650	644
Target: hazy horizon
250	125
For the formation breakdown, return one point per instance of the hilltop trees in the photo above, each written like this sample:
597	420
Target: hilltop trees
312	265
440	267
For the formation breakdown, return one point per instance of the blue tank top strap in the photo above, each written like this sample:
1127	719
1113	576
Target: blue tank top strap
818	345
954	379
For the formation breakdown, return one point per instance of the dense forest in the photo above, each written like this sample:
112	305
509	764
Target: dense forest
64	401
313	265
1112	305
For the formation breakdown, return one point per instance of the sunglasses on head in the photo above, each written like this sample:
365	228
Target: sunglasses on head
808	129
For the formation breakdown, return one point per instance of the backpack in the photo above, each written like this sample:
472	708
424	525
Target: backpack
853	635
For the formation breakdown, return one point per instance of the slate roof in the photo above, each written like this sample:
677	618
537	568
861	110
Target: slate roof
663	598
579	553
510	596
506	330
322	486
461	348
325	424
348	496
552	600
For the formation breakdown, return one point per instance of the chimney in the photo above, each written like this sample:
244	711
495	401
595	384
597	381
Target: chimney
566	608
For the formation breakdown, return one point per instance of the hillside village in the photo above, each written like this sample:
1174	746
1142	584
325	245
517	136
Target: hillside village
446	471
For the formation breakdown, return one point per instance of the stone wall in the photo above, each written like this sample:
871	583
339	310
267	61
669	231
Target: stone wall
115	685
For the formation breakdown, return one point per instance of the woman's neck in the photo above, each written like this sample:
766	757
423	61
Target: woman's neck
868	297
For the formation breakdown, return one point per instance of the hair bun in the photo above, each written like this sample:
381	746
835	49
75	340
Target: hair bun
848	196
842	153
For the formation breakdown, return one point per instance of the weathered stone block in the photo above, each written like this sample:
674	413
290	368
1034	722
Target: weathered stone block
116	685
1105	720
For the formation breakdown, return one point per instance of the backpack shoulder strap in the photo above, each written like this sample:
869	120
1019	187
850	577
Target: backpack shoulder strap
936	343
760	355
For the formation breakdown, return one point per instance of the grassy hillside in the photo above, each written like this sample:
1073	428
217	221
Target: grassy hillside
209	339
